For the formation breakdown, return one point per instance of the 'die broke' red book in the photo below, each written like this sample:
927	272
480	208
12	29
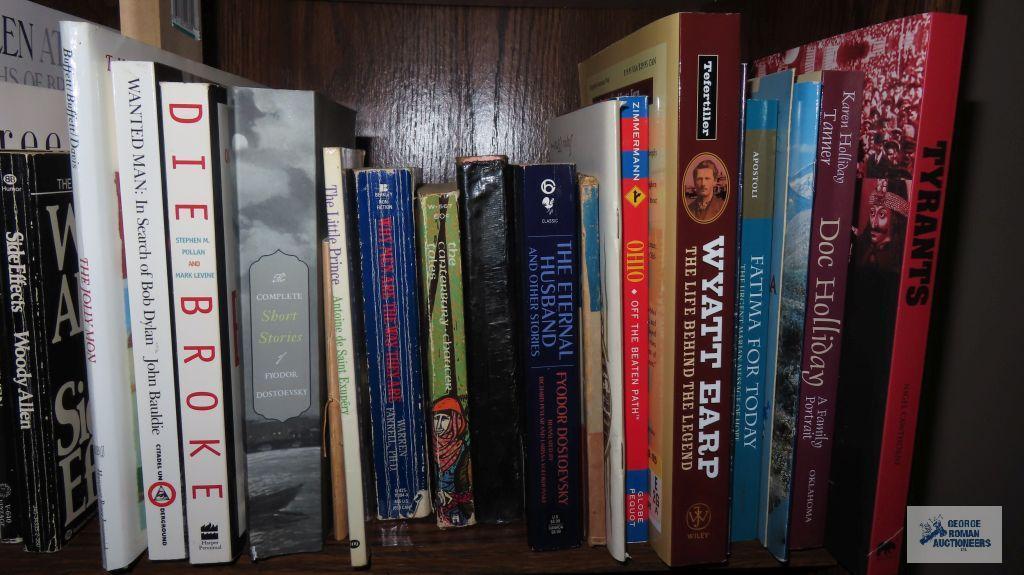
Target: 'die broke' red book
911	73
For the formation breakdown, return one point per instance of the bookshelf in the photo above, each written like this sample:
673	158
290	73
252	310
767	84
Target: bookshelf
432	80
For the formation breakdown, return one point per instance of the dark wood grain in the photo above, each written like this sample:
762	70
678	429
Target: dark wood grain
424	549
104	12
429	82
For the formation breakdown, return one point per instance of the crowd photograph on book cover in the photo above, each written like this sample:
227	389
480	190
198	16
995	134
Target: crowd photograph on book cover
289	283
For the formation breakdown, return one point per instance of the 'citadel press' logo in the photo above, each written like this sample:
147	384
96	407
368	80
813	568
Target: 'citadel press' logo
954	534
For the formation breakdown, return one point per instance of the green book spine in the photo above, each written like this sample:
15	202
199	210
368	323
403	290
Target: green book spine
441	260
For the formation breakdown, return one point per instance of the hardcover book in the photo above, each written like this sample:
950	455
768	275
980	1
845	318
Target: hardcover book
86	50
752	325
391	314
199	193
347	356
635	191
278	141
688	67
911	71
437	214
827	263
792	288
590	138
778	87
44	366
492	355
137	116
547	223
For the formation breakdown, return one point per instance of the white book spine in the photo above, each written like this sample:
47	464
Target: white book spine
137	114
108	354
344	354
190	159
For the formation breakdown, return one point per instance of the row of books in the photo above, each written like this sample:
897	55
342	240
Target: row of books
652	338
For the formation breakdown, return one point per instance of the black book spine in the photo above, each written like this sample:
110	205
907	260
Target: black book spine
11	177
549	295
491	349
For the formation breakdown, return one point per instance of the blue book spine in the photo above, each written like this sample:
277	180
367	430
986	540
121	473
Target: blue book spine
778	87
387	248
549	276
792	288
752	322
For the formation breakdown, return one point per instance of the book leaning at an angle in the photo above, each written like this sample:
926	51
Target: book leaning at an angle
751	323
278	140
202	239
440	251
589	137
688	67
342	271
777	87
137	116
791	286
391	314
912	70
43	364
85	54
547	239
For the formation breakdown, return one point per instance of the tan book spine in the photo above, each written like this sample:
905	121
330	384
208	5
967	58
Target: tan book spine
339	503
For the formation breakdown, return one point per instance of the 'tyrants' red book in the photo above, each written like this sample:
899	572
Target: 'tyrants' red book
912	71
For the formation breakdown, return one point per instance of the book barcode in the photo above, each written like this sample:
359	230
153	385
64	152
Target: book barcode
185	17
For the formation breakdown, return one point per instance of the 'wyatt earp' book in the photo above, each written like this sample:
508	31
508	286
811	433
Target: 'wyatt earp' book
278	141
387	235
199	194
688	67
589	138
751	323
348	354
911	71
137	115
485	209
827	264
44	367
437	219
791	285
547	226
87	50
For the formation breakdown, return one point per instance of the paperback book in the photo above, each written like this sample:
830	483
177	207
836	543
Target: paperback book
437	215
548	259
199	193
391	315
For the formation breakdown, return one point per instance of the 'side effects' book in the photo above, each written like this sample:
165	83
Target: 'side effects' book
688	67
589	138
346	321
635	190
140	163
911	72
391	313
485	210
199	195
827	265
791	285
277	143
752	324
547	229
43	360
440	250
86	50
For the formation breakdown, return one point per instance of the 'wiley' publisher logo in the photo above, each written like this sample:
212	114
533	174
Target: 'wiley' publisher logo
698	517
954	534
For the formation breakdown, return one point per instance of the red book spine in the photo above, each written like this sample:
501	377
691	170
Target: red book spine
920	254
635	285
828	262
705	285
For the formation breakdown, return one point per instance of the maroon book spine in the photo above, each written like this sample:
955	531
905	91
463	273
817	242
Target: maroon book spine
705	288
828	261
